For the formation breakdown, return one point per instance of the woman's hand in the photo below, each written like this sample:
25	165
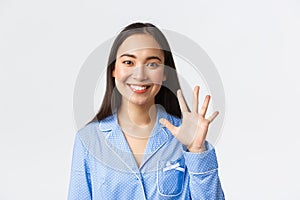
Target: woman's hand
194	126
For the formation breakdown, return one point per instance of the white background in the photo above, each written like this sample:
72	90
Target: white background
254	45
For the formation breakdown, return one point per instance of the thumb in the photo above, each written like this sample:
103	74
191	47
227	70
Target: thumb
169	125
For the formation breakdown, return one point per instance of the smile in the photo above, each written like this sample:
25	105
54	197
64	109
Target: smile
139	88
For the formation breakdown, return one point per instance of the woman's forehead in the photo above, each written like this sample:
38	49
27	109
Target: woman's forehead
138	42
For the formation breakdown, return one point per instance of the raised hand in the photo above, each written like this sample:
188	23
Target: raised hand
193	129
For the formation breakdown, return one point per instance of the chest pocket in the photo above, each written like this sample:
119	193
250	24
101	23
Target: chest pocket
170	177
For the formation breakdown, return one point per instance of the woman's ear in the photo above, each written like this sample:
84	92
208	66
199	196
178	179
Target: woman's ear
113	73
164	77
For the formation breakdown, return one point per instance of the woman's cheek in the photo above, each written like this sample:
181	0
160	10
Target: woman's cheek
121	73
158	76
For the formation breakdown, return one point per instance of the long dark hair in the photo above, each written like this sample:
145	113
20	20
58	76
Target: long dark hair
167	93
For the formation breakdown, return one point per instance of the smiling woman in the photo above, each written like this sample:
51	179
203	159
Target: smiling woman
139	69
145	143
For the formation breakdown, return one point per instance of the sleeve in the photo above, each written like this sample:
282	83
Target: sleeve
204	182
80	183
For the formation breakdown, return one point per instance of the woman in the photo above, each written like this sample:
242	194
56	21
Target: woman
144	143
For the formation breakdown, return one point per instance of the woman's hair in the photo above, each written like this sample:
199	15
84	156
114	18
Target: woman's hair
166	96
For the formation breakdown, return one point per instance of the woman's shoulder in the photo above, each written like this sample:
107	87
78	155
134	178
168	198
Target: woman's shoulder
87	131
93	127
91	134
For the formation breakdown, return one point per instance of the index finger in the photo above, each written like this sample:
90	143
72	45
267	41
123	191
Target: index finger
181	100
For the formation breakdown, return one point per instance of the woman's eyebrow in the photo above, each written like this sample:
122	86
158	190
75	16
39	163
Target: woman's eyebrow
133	56
153	57
128	55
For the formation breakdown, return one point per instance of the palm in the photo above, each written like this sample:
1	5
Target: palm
194	126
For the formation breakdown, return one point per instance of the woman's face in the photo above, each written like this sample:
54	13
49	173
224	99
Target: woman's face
139	69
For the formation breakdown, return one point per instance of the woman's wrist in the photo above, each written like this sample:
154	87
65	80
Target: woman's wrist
197	149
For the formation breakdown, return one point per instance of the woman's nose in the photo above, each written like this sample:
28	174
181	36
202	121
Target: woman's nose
139	73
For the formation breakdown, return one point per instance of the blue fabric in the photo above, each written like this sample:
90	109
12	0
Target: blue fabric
103	166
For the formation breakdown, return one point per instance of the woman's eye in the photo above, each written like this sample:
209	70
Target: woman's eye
127	62
152	65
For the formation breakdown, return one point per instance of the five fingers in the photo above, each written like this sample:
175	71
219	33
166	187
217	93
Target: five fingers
184	108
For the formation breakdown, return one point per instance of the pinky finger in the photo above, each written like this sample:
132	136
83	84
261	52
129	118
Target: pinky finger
213	116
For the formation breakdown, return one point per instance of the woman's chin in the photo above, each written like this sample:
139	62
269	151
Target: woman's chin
138	101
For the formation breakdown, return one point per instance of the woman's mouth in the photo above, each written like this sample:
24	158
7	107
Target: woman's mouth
139	88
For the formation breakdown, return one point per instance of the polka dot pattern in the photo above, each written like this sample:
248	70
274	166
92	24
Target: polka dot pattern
104	168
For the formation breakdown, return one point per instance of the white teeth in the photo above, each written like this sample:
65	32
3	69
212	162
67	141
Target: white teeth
135	87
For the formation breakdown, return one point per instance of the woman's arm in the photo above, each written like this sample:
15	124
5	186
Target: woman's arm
80	185
200	156
204	182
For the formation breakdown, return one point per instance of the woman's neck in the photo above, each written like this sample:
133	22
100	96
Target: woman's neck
139	115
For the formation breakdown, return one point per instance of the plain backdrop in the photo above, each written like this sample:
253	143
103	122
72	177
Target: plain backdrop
254	45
